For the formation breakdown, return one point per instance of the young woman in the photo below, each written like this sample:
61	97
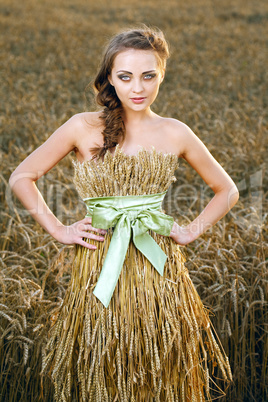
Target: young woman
131	327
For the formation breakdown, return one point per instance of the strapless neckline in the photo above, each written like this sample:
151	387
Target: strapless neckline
120	151
146	172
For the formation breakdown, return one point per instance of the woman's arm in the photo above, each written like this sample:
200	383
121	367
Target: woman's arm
226	192
38	163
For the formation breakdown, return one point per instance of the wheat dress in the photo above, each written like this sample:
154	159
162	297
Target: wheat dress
154	341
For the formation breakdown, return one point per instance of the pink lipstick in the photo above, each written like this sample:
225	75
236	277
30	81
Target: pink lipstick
137	100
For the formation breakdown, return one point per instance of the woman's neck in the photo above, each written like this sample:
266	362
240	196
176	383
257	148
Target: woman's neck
134	119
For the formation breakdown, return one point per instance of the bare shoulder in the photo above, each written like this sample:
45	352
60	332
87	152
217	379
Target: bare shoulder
88	129
84	120
83	128
179	135
174	125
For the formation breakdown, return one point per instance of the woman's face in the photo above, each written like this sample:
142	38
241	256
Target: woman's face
136	77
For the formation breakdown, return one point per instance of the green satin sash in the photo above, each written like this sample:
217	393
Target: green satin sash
128	215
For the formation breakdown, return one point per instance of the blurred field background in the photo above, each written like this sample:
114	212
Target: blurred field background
216	82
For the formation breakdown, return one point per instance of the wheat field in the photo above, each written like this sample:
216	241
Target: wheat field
216	82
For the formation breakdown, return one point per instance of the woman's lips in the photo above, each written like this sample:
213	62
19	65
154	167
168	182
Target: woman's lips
137	100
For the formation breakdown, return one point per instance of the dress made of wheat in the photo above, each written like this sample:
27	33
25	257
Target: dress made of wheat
154	341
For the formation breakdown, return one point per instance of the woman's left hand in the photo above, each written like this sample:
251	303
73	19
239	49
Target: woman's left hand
181	235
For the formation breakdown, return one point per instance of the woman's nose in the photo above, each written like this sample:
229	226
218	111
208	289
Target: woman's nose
137	86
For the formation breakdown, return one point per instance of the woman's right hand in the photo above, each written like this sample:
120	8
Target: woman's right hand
75	233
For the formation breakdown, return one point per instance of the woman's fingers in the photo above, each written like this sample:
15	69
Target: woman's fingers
86	244
91	236
80	231
88	219
85	224
102	231
89	227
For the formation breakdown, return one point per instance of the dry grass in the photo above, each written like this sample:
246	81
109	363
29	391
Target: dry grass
215	83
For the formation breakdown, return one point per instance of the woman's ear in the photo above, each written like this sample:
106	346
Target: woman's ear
110	80
162	75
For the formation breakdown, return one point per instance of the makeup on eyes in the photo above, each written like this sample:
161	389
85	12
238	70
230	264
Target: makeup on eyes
125	75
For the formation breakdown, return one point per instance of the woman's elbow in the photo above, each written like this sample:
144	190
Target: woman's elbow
12	180
19	180
233	196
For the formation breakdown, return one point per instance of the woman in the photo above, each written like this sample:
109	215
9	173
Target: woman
132	326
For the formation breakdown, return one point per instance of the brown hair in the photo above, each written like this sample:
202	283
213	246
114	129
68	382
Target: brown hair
142	39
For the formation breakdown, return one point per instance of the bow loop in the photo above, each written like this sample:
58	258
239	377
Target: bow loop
129	215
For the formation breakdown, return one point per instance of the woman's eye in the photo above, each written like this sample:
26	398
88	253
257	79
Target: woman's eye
124	77
149	76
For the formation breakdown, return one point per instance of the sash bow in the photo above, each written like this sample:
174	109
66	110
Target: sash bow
129	215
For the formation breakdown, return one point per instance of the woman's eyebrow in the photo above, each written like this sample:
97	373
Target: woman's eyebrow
150	71
128	72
